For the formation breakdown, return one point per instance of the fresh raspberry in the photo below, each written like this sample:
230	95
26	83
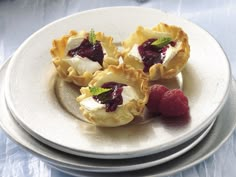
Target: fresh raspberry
156	92
174	103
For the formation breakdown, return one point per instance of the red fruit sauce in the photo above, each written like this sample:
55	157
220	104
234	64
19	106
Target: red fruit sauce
93	52
152	54
112	98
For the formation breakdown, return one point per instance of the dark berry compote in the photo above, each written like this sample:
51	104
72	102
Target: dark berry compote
113	97
87	49
152	54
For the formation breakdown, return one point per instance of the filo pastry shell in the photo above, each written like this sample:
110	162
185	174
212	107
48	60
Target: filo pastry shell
66	71
159	71
124	113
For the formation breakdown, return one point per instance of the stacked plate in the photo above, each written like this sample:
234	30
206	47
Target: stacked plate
35	115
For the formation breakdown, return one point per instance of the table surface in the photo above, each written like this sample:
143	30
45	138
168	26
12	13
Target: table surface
20	18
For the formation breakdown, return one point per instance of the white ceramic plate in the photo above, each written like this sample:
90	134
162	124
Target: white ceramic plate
64	160
222	129
31	98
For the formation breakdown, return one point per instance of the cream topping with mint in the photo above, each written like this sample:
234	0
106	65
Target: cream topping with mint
155	50
110	99
84	53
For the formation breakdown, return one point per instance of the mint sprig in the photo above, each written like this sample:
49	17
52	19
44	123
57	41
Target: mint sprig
161	42
98	90
92	37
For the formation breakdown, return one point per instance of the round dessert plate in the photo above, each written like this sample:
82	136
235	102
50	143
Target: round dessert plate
222	129
57	158
31	97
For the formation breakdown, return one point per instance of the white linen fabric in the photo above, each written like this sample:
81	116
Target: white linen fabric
19	19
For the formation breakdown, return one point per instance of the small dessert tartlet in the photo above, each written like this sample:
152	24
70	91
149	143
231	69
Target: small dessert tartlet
161	52
115	96
78	55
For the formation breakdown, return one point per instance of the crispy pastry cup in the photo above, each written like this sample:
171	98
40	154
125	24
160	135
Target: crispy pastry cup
159	71
67	72
124	113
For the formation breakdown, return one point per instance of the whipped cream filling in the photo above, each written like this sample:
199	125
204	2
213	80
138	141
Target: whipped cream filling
82	65
135	53
171	52
128	94
104	51
75	41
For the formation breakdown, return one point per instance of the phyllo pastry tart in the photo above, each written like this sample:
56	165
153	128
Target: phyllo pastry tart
115	96
161	52
78	55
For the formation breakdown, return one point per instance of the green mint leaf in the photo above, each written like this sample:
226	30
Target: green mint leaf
98	90
161	42
92	37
